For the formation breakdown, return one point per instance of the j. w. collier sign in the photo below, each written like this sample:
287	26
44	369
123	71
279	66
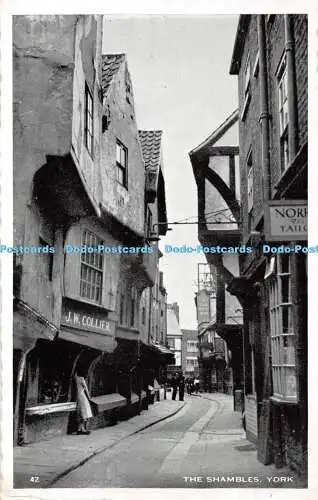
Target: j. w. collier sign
77	316
286	220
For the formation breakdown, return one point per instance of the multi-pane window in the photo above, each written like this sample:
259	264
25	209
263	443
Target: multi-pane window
250	181
88	123
171	343
192	346
122	164
191	363
282	330
91	269
177	344
283	111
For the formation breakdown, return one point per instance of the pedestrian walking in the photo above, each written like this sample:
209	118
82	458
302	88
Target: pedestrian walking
84	410
181	385
191	385
196	385
187	382
174	385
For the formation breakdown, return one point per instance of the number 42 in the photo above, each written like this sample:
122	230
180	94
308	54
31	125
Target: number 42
34	479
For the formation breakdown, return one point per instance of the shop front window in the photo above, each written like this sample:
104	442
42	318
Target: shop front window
49	373
282	330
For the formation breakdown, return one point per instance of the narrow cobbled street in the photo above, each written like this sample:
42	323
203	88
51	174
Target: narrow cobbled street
203	445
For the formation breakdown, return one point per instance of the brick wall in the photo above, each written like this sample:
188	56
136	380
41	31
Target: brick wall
249	128
275	50
301	58
249	132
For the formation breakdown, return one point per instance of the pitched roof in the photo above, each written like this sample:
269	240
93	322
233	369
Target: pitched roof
150	141
208	143
110	66
240	38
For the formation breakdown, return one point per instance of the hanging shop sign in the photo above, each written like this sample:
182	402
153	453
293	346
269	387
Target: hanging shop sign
286	220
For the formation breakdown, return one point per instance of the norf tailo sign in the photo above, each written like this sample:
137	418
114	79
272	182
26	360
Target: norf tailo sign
286	220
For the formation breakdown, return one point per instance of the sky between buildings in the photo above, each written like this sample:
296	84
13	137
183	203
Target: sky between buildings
180	74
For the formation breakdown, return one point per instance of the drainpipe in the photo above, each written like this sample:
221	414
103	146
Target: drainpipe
150	314
291	84
19	404
264	114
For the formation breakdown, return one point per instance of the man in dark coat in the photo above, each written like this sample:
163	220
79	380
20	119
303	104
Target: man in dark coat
181	384
174	385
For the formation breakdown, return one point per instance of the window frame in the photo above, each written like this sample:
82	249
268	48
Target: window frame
247	75
283	113
250	180
247	86
120	167
92	265
282	330
89	121
192	346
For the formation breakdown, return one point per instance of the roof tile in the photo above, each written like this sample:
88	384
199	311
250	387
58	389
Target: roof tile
110	66
150	141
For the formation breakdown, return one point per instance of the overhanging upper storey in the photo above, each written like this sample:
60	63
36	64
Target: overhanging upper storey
244	21
216	170
151	146
215	164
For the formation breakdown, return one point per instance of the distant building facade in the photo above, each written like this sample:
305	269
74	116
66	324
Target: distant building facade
215	358
190	353
174	334
215	164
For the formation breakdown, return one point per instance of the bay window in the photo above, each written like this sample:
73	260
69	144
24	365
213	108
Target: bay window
282	330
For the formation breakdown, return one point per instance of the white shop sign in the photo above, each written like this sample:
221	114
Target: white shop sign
286	220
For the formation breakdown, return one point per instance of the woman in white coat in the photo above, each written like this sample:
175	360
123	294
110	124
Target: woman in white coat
84	411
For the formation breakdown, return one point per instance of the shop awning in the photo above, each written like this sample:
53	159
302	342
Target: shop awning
101	342
163	349
147	353
164	353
